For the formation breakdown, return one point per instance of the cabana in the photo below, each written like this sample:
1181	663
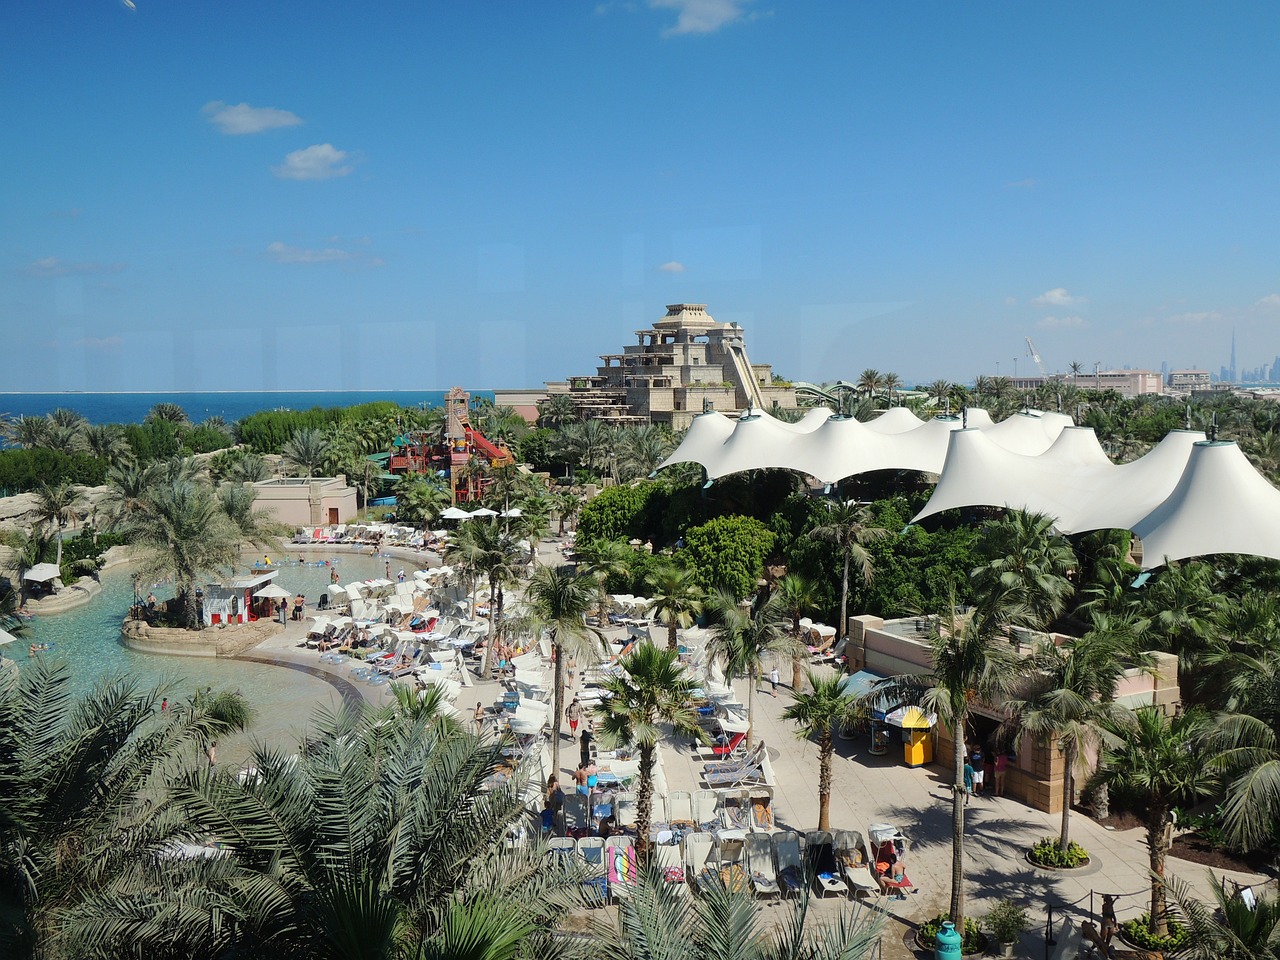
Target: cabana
234	602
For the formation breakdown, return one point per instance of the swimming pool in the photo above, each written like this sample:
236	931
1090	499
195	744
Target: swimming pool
88	638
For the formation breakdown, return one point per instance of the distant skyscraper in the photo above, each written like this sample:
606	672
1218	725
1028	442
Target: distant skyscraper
1232	376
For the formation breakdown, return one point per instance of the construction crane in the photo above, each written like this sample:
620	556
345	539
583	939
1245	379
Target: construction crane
1035	355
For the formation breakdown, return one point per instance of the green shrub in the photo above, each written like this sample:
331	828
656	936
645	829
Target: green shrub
1049	853
727	553
24	470
615	513
1138	932
974	941
1007	921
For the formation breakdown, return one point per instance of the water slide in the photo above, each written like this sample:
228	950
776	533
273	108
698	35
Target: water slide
488	449
742	366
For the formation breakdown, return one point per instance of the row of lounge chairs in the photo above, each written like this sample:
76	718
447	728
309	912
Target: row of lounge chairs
679	812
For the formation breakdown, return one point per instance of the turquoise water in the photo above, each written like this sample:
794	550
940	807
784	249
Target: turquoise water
88	638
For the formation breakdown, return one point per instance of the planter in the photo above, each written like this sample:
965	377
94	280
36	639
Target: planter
974	951
1006	949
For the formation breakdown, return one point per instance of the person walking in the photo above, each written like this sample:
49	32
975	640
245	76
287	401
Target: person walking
1110	927
1001	769
968	780
979	769
773	681
212	753
283	610
478	718
164	705
573	714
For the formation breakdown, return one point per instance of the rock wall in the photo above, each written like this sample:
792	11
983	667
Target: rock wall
220	641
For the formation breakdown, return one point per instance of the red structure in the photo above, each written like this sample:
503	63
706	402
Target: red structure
462	454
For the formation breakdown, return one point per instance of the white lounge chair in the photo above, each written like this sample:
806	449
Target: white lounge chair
764	876
697	853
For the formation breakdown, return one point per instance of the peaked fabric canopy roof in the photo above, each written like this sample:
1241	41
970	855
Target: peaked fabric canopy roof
831	448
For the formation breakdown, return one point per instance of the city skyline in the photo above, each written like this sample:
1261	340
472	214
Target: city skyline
248	197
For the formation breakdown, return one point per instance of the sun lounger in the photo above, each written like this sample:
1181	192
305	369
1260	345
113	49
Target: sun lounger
667	861
626	809
577	818
734	809
591	850
680	809
730	856
706	809
743	776
723	751
854	859
751	759
764	876
761	804
624	870
562	846
697	853
786	855
821	857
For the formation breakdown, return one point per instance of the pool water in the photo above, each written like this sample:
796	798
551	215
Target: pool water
88	639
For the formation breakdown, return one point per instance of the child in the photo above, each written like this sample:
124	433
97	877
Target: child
968	781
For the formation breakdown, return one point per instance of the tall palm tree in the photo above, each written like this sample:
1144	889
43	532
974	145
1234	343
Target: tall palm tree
1071	701
127	487
590	444
556	411
640	450
972	662
488	549
182	533
383	837
891	383
652	689
1026	562
939	391
742	641
1160	762
557	600
1228	928
106	441
307	451
817	716
420	500
27	432
847	527
59	504
674	598
255	526
83	780
798	598
251	468
870	381
1182	606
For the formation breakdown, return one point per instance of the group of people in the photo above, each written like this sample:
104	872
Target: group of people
299	608
976	766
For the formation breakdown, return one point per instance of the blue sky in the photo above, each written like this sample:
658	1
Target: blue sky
285	195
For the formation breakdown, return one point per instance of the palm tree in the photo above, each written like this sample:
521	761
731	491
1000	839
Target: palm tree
1229	928
891	383
798	599
127	487
556	411
83	784
420	500
848	529
1026	562
487	549
653	688
870	381
307	451
27	432
743	640
939	391
1159	762
25	551
1071	700
251	468
557	600
1182	606
674	598
59	505
382	837
640	450
165	412
106	441
657	923
255	526
590	444
566	505
603	561
818	715
972	662
182	533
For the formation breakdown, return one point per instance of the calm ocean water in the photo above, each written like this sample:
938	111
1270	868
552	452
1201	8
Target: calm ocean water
133	407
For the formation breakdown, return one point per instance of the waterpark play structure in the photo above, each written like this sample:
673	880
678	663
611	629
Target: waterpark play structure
461	454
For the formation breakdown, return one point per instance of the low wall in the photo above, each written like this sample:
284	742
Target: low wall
68	598
220	641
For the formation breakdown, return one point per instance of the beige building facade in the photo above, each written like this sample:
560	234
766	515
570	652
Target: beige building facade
685	364
306	501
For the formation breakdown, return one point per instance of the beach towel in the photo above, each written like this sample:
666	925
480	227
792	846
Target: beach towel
623	867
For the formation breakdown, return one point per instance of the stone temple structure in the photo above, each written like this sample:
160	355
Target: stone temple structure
686	364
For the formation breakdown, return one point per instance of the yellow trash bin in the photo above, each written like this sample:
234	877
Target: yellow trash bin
917	747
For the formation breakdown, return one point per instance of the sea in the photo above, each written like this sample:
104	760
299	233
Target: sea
231	406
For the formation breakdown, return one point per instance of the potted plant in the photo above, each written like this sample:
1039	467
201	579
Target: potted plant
1007	921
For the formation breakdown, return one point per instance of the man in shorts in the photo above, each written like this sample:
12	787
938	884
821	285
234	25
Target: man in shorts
979	767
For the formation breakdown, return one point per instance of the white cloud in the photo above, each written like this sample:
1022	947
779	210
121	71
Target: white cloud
702	16
672	266
1057	297
283	253
320	161
1058	323
1270	300
240	118
53	267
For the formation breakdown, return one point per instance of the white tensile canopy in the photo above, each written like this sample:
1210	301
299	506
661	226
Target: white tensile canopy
831	448
1220	505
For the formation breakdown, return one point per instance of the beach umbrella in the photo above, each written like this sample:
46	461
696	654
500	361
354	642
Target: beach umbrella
6	637
454	513
513	512
42	573
484	512
272	592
